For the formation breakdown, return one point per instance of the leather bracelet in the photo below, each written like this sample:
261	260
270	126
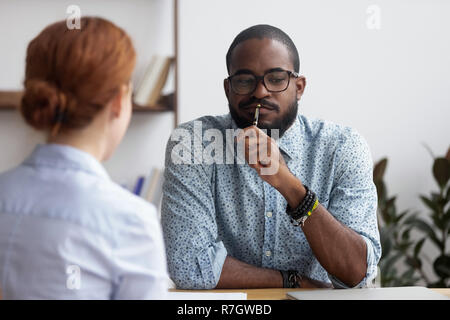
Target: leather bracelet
291	278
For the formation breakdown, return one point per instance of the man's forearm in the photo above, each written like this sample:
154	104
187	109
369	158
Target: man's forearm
340	250
237	274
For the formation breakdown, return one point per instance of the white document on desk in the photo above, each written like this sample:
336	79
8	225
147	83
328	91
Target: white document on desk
206	296
397	293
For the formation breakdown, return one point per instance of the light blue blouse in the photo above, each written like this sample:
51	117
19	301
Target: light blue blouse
68	232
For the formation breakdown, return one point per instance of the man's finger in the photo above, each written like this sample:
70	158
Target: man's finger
264	162
248	132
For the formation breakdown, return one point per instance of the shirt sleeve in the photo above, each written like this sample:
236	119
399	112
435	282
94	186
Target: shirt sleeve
195	254
353	200
139	258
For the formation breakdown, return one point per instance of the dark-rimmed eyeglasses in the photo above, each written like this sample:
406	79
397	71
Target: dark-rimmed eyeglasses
243	83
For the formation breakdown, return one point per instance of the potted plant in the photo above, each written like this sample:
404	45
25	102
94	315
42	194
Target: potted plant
395	229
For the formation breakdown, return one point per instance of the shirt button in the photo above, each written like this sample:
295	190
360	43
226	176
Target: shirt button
269	214
268	253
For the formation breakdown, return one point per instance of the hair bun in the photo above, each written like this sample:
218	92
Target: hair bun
40	103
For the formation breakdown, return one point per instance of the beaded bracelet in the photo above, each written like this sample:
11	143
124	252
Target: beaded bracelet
305	208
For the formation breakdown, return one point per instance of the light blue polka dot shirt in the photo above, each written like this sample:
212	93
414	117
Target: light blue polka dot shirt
211	210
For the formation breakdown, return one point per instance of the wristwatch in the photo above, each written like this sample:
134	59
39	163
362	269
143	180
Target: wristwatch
291	278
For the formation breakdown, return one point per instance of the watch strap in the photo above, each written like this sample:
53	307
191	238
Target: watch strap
291	278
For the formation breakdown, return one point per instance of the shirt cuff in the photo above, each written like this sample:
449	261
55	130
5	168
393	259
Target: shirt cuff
210	262
368	280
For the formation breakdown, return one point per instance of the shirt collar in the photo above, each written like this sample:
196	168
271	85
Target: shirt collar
289	143
65	157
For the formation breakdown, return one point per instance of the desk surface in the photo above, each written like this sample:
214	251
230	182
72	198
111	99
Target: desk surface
274	293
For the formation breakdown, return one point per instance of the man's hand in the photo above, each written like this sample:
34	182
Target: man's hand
263	155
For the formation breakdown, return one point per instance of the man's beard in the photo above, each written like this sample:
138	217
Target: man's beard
281	123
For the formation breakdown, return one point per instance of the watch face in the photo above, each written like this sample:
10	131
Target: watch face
293	279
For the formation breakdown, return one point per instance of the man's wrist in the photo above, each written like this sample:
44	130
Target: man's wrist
291	278
291	189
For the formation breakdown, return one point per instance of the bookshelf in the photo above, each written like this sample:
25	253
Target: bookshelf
10	99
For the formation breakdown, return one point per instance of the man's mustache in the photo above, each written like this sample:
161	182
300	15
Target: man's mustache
262	102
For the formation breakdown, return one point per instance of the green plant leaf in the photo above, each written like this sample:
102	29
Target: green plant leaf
418	246
405	234
407	278
391	210
442	266
388	277
430	204
441	171
446	219
438	221
381	193
410	219
414	262
388	264
386	248
385	217
439	200
404	246
379	169
386	240
400	216
388	211
425	227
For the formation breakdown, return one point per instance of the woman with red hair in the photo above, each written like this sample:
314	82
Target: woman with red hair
66	230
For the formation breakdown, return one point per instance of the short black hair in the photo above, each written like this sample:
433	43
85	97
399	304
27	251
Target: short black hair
261	31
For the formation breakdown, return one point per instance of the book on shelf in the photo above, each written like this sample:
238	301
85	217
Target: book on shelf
149	91
151	186
138	186
10	99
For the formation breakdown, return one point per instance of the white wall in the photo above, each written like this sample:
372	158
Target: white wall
148	22
391	84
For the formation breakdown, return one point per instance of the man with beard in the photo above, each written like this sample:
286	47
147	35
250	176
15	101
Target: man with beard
309	223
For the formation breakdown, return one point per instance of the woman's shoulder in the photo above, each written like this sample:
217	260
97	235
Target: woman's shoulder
94	203
118	205
125	201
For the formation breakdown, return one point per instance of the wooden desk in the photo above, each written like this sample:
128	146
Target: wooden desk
274	293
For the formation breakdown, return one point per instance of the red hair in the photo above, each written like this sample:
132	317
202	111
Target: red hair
72	74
